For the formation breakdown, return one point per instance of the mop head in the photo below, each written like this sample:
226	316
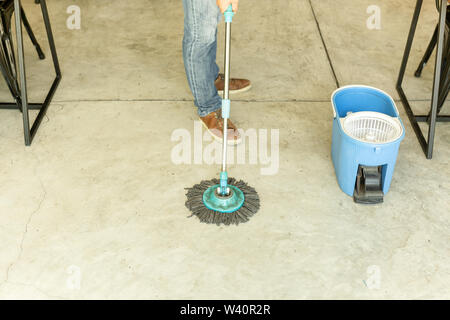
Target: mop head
196	203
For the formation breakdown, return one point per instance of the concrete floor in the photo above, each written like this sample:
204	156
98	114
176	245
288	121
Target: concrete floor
95	208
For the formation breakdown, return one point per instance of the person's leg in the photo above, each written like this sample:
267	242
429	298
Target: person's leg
199	53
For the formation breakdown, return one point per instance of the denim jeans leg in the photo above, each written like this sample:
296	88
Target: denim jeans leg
199	52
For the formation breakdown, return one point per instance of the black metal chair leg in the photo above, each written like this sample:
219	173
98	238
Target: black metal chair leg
409	42
22	101
445	87
437	78
31	35
432	117
57	79
51	40
23	82
428	53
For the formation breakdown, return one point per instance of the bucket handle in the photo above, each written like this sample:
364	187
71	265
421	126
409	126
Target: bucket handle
335	115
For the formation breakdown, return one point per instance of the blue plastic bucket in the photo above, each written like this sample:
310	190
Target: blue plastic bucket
346	151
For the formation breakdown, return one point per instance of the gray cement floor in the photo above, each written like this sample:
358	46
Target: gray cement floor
95	208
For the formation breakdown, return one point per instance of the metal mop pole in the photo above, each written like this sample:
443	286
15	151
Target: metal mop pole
224	190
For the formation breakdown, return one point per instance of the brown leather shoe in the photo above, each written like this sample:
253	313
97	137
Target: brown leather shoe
236	85
213	122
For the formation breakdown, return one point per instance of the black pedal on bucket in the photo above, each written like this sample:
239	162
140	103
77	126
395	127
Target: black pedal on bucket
368	187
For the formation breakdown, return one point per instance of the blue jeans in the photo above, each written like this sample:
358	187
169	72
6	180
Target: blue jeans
201	18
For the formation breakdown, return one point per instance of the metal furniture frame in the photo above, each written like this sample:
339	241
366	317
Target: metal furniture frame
8	64
440	82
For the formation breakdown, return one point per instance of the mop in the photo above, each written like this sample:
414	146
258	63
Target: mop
226	200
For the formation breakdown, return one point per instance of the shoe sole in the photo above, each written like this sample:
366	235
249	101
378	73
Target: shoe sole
218	139
220	92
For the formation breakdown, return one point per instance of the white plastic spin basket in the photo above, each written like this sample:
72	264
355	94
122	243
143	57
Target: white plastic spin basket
372	127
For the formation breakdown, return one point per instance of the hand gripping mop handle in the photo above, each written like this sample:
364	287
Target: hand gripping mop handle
226	100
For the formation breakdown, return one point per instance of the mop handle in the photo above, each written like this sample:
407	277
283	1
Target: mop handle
226	99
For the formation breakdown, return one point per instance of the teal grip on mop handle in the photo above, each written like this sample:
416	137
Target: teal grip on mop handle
226	106
229	14
223	182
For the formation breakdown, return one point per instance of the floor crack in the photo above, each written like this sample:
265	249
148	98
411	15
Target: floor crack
19	255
